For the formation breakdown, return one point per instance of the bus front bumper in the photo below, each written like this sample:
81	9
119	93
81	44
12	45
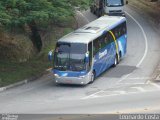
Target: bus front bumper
73	80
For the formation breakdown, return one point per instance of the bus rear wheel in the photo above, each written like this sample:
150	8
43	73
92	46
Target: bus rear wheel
115	61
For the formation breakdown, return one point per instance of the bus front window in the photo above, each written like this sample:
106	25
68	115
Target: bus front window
115	3
70	57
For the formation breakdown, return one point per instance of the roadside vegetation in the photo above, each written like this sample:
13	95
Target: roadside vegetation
28	30
149	9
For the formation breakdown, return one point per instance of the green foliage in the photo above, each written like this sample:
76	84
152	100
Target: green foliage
14	13
31	15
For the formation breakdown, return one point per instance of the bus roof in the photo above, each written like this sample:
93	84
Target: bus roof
93	30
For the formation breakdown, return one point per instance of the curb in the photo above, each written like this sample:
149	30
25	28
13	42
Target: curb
157	78
26	81
156	74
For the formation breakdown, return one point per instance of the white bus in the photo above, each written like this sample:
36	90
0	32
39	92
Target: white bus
84	54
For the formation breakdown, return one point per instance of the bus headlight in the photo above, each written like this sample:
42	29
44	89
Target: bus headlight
56	75
82	76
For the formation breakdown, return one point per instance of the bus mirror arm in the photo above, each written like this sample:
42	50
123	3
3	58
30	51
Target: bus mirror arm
50	56
87	58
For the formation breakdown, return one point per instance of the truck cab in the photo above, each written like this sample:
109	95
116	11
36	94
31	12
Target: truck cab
109	7
115	7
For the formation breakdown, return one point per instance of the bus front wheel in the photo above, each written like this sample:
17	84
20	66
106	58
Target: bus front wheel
92	77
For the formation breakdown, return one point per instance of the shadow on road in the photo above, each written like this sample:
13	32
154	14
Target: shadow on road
119	71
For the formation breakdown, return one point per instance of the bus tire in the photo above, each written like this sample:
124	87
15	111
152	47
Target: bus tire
120	56
92	77
115	61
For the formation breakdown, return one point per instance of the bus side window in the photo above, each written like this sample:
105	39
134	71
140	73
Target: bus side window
99	41
118	31
107	39
104	40
95	46
110	37
115	32
124	28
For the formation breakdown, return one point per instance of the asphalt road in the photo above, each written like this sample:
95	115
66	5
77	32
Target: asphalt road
124	89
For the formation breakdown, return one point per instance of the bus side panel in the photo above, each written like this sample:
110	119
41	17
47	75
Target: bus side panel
122	44
104	58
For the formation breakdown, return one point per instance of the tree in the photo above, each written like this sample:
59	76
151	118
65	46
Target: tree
17	13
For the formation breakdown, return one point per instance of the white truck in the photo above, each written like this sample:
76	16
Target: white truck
109	7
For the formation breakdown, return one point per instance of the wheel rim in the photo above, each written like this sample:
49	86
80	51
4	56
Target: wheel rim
92	79
115	62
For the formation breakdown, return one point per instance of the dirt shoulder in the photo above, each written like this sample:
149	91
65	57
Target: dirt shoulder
150	11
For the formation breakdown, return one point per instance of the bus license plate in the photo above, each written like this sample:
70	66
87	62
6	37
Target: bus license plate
68	81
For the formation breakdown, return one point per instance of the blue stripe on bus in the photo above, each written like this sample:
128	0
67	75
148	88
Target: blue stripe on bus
102	64
69	73
122	44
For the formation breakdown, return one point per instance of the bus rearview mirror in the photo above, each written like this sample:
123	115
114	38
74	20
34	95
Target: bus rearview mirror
87	58
50	56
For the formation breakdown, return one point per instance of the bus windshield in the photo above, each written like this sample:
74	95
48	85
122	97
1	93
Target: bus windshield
115	3
70	56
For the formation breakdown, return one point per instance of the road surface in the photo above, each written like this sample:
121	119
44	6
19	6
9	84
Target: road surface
124	89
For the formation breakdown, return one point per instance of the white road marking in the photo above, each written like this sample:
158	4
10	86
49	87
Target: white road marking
145	37
100	96
118	93
132	83
115	93
146	46
155	85
123	78
92	95
139	88
121	92
141	78
95	95
138	78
